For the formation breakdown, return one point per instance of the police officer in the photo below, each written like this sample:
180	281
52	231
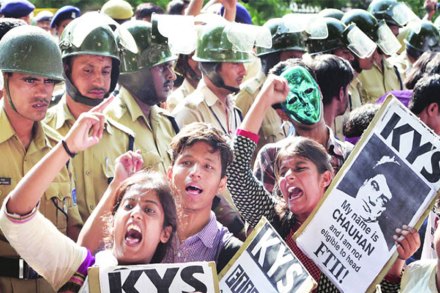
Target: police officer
146	80
334	43
21	9
119	10
189	70
24	140
63	17
387	10
427	39
43	19
285	44
383	76
223	71
91	68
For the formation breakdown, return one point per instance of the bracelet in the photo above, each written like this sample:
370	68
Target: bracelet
66	148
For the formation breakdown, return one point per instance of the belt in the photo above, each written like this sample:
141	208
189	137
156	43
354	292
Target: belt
17	268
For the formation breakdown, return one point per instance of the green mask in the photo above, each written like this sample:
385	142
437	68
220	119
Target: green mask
303	103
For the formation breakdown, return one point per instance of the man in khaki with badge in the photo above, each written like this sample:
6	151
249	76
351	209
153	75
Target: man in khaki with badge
24	140
91	67
222	64
146	80
383	76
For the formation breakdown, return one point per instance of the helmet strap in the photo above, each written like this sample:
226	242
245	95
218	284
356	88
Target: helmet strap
8	93
74	93
217	80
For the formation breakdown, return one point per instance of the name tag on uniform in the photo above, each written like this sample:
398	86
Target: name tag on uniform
5	181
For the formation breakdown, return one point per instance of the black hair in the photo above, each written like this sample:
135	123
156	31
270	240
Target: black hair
426	92
332	73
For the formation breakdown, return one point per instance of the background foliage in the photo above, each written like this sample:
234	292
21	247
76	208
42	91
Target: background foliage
261	10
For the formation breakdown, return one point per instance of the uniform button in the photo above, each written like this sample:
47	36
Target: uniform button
88	172
91	207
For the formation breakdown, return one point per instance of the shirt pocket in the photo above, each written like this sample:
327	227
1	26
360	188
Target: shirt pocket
55	203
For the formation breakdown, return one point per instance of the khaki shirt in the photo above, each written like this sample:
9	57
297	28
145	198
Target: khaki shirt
184	90
272	129
153	134
204	106
377	81
57	204
402	63
94	167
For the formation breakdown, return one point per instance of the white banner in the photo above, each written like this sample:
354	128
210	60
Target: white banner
184	277
265	264
389	180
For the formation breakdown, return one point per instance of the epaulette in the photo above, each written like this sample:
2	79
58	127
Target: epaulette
119	126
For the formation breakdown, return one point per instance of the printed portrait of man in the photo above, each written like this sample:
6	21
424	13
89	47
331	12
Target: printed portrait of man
386	192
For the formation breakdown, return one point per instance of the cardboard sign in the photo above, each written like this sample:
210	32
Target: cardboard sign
185	277
265	264
390	179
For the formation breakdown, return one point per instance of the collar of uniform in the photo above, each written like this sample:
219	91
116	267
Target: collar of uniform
155	111
6	128
7	131
130	103
387	63
40	139
209	96
62	113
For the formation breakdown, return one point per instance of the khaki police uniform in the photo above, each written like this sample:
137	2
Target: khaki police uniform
204	106
94	167
184	90
272	129
402	63
153	134
379	80
57	204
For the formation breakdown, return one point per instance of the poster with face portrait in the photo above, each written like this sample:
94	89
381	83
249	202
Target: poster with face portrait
181	277
265	263
390	179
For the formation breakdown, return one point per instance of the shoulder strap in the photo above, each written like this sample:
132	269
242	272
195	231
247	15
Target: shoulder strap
173	123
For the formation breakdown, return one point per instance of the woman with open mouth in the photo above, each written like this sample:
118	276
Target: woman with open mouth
142	222
303	172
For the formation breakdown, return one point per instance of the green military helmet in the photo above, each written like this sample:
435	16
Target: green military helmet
378	31
282	39
90	34
214	45
333	41
428	39
383	9
31	50
364	20
81	37
332	13
152	48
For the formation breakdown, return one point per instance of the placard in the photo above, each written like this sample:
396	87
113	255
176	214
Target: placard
390	179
